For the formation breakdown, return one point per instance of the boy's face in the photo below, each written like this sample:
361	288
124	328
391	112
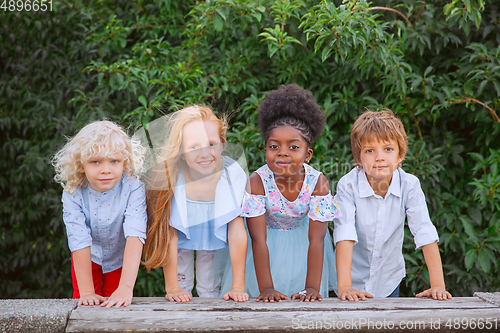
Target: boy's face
103	173
379	159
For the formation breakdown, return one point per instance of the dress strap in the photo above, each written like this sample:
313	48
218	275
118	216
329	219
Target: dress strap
266	175
311	178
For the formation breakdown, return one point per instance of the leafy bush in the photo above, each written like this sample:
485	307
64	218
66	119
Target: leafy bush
435	64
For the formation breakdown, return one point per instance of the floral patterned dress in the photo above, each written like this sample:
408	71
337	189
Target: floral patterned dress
287	234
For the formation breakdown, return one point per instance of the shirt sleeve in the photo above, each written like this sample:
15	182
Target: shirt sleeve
344	223
419	222
253	205
78	231
323	208
135	222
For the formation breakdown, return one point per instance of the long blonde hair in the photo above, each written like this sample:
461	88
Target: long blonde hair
160	183
99	138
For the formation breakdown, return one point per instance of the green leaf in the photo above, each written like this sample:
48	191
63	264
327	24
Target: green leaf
468	228
475	215
257	16
143	101
218	22
428	70
484	262
470	258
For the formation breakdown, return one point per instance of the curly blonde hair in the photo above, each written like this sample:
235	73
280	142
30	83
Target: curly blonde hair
103	139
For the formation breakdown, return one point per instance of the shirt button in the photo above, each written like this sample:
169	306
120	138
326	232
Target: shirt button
380	227
105	247
368	283
373	268
102	206
102	231
381	205
376	249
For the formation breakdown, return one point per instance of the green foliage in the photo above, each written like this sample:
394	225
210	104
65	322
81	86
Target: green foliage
435	64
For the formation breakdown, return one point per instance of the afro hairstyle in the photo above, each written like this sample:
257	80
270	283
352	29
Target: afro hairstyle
291	105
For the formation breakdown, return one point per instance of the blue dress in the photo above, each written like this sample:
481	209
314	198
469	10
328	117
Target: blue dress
206	228
287	235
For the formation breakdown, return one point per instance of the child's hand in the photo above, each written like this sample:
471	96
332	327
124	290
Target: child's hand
90	299
353	295
436	292
178	295
307	295
270	295
237	295
121	296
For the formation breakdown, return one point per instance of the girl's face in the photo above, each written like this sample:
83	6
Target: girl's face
201	147
103	173
286	151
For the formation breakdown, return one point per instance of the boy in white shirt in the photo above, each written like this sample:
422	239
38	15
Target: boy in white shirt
374	199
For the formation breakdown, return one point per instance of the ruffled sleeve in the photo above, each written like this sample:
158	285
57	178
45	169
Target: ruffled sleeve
323	208
253	205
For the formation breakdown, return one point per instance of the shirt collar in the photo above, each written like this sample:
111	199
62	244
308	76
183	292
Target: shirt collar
395	187
365	190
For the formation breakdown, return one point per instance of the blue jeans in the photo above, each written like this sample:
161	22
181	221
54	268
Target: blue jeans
395	293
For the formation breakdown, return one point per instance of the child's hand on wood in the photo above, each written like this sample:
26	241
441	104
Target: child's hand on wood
270	295
121	296
90	299
178	295
436	292
353	295
307	295
236	295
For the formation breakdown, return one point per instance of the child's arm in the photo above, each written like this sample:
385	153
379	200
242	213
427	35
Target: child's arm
425	237
433	261
83	271
257	229
317	232
345	236
172	288
344	263
79	241
131	261
237	239
315	253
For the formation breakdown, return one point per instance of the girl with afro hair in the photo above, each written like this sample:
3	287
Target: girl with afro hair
288	204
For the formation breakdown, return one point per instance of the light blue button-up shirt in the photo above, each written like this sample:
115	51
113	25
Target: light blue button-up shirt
104	220
376	225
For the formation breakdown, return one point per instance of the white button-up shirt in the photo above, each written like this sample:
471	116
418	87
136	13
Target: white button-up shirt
376	225
104	220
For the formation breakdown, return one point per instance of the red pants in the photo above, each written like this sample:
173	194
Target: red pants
104	284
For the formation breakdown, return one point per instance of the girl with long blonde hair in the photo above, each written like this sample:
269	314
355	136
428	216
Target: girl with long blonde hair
194	197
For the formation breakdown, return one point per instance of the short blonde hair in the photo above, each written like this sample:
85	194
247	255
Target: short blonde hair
100	138
381	126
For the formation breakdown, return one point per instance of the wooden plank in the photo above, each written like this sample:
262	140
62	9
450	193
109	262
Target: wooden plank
216	315
329	304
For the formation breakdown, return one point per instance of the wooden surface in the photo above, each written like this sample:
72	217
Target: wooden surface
216	315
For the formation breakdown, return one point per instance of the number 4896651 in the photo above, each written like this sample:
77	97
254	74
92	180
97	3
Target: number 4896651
28	5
